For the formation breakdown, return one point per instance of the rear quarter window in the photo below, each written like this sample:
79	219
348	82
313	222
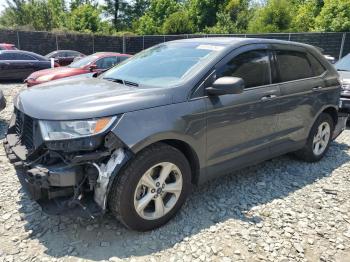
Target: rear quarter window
316	66
293	65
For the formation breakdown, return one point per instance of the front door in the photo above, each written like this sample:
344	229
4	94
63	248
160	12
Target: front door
241	127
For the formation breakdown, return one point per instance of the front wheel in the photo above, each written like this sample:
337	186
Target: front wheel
319	139
149	191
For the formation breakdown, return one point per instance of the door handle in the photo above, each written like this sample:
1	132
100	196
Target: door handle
268	97
317	88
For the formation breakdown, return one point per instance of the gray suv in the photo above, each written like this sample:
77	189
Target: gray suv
135	139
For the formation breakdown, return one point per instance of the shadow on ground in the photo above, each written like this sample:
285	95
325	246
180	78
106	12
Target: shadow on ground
230	197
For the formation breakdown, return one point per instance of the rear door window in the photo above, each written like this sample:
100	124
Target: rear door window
7	56
252	66
19	56
16	56
293	65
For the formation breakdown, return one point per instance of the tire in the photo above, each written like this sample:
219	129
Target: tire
129	189
309	153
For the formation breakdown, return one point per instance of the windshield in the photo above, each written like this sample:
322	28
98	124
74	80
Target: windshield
164	65
343	64
83	61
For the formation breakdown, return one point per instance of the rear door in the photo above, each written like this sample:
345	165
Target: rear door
241	127
300	76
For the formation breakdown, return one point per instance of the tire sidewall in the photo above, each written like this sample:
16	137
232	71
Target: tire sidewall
127	209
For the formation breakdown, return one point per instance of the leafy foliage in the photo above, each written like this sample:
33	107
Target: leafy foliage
274	17
334	16
178	23
178	16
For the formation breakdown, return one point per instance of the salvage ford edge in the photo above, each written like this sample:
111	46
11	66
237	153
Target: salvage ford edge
135	139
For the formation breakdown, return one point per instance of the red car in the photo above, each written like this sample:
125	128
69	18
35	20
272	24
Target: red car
97	62
4	46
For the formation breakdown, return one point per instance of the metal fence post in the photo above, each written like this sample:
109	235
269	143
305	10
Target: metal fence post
124	47
289	37
18	44
93	44
143	42
56	42
342	46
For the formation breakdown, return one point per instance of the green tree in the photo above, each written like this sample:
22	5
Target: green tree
334	16
304	20
224	25
36	14
145	26
203	12
234	18
178	23
275	16
152	21
117	9
76	3
85	18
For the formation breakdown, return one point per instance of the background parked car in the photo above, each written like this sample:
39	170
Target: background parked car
343	68
4	46
2	101
18	64
97	62
64	57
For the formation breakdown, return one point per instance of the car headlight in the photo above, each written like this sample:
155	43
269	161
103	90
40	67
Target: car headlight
62	130
45	78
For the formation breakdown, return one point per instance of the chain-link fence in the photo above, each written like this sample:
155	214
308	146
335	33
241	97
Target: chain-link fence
334	44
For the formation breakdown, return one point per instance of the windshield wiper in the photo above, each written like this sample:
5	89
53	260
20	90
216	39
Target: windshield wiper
343	70
120	81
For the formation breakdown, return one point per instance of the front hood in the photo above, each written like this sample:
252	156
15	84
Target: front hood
55	71
84	98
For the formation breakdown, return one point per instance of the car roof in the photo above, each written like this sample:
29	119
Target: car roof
237	41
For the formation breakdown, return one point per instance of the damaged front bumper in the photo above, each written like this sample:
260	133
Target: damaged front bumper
64	181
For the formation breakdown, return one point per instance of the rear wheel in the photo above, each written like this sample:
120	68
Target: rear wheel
319	139
149	191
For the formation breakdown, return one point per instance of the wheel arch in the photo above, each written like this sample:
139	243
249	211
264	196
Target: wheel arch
185	148
328	109
189	153
332	111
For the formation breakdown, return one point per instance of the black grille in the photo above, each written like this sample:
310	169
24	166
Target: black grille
24	129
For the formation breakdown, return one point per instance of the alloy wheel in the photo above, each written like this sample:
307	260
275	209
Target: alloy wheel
158	191
321	138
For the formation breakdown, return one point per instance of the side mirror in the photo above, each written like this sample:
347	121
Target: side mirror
92	67
226	85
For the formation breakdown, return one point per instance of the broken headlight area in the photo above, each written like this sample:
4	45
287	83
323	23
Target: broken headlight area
66	173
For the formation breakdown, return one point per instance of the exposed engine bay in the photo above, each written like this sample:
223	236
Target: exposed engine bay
63	175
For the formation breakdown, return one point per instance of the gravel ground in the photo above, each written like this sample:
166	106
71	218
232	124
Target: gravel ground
280	210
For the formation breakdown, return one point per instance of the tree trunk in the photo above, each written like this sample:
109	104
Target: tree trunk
116	10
